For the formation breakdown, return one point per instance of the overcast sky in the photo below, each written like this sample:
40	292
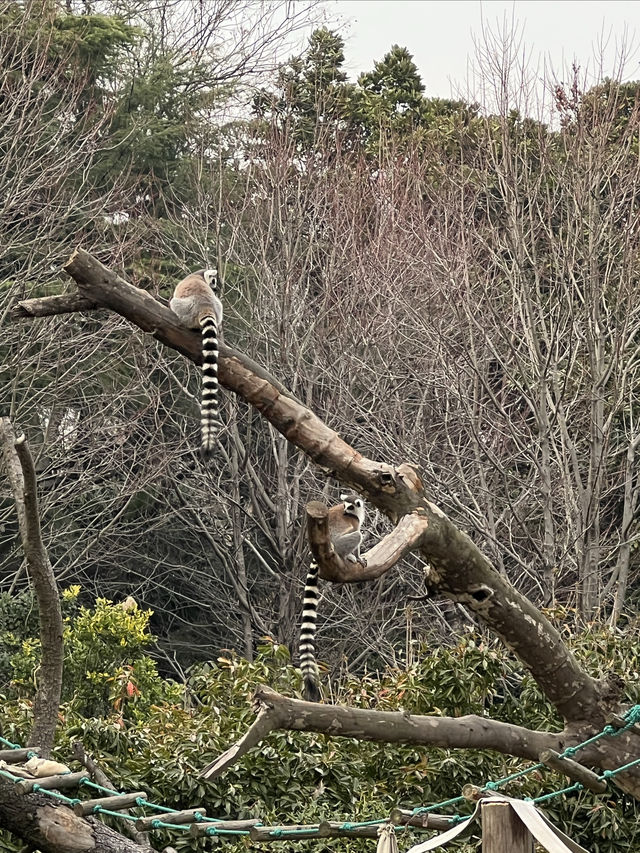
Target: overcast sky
441	34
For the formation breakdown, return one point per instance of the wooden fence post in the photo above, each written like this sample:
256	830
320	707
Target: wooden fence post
503	831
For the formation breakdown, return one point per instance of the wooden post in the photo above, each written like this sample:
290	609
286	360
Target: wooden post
503	831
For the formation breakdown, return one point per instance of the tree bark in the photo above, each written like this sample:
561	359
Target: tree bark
22	477
56	829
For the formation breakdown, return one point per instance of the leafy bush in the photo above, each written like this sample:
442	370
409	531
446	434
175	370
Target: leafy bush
106	670
157	736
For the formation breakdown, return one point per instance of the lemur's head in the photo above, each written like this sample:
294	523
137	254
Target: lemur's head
353	505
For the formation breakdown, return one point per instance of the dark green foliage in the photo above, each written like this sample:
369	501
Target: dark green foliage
312	97
316	103
154	736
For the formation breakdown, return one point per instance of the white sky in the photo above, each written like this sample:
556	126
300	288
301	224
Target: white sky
440	35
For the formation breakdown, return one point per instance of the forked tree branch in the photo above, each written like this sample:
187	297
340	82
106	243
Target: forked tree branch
468	732
404	538
22	479
281	713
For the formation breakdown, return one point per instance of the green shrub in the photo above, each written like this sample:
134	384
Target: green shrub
157	736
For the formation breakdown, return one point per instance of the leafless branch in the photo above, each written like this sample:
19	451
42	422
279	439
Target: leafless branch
22	477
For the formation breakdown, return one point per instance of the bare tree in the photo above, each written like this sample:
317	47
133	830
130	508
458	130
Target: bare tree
21	474
458	569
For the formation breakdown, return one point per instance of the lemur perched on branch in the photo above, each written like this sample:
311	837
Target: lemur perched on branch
345	523
196	304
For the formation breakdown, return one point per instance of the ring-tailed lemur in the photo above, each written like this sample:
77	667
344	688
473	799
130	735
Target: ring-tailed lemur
196	304
345	523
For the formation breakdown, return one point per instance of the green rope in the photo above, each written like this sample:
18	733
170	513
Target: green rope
9	744
492	786
157	823
142	802
56	796
212	830
100	788
285	833
577	787
160	824
632	716
10	776
347	825
426	809
607	774
607	731
102	810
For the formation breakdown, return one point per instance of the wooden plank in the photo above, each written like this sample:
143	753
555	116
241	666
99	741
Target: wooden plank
144	824
61	782
335	829
426	820
263	833
198	830
576	772
113	804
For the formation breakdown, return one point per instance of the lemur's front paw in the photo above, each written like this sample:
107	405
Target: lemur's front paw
363	561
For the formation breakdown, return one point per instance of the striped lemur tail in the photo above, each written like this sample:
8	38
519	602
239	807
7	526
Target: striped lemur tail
308	663
209	412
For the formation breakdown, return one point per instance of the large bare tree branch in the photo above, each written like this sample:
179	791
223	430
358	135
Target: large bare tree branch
277	712
22	478
458	569
469	732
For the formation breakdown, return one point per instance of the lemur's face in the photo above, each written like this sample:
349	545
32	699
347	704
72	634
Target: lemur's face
353	505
